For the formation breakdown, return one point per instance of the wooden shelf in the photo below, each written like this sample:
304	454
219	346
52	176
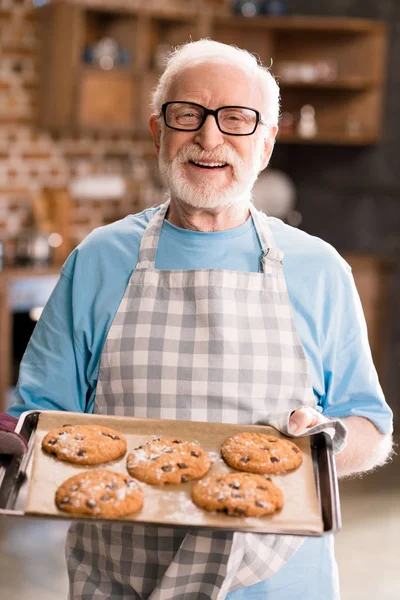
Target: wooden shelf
75	96
343	139
337	25
170	17
350	83
87	68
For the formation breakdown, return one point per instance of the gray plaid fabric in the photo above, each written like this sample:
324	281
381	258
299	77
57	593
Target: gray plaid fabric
202	345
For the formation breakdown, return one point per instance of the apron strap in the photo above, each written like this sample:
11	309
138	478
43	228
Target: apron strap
265	236
149	243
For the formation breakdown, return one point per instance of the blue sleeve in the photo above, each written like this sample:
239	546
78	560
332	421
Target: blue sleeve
351	382
52	371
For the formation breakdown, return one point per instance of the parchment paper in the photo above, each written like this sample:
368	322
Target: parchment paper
170	504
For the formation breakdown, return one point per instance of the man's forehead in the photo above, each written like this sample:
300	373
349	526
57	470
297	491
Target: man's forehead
216	82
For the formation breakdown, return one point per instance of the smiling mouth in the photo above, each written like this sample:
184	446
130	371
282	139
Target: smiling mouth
211	165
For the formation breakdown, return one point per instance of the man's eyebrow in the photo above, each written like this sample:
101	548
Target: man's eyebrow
185	100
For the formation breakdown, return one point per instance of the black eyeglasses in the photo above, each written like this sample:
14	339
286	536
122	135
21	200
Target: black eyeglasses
231	120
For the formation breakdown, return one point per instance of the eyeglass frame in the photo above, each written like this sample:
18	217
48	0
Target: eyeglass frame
214	113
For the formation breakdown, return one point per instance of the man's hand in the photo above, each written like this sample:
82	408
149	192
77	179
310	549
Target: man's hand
366	447
304	418
10	441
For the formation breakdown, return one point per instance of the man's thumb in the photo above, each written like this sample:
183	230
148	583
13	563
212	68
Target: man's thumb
298	421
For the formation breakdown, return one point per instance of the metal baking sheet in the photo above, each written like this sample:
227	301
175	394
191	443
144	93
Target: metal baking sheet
311	505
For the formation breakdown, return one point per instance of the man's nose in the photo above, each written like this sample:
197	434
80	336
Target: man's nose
209	136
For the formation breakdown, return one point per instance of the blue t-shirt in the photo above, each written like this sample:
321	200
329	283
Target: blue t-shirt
60	367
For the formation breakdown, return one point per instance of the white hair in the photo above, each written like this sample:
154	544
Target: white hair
208	50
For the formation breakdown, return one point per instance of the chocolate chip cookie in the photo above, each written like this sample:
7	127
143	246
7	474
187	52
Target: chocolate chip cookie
85	444
238	494
100	493
168	461
261	453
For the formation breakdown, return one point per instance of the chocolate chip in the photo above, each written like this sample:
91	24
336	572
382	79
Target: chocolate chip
81	452
296	450
166	468
79	437
112	486
105	498
182	465
260	487
234	495
63	433
274	459
139	448
260	504
65	500
52	442
91	503
238	510
177	442
245	459
196	454
185	478
223	510
235	485
74	487
67	425
111	435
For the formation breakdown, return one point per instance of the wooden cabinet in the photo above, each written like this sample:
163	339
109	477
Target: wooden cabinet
374	281
106	99
335	65
79	93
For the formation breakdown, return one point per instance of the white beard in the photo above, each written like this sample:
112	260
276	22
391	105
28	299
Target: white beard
205	194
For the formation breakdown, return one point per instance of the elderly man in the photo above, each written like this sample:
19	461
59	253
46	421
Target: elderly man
189	311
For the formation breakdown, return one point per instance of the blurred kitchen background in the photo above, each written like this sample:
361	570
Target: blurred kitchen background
75	154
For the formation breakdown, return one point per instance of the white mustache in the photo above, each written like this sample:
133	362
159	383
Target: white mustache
221	155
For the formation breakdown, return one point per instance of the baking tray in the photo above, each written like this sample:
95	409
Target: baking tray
15	476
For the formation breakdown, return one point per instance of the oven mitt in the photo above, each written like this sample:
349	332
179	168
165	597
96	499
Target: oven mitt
10	441
335	428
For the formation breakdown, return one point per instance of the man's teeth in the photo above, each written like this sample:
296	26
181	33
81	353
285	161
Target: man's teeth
209	164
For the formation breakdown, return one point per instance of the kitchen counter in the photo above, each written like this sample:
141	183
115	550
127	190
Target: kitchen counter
18	272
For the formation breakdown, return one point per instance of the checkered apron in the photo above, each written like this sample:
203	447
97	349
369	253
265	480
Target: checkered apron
200	345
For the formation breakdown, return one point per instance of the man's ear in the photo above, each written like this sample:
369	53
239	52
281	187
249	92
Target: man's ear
156	131
269	145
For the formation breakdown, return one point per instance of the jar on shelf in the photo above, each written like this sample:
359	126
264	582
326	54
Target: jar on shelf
247	8
273	7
